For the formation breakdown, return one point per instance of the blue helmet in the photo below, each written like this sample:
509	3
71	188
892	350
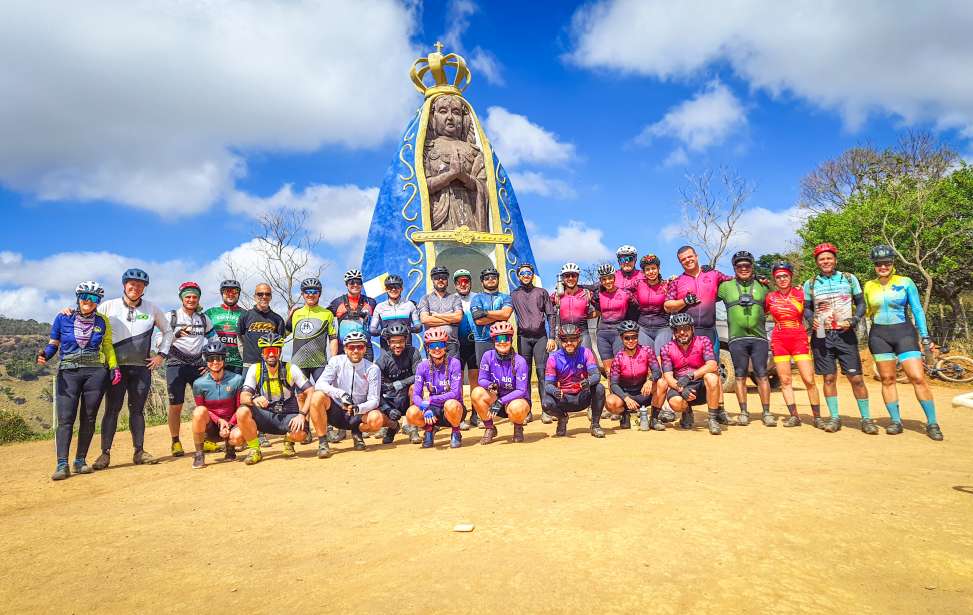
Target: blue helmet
135	274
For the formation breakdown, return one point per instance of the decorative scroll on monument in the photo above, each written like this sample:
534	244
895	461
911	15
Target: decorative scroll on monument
445	199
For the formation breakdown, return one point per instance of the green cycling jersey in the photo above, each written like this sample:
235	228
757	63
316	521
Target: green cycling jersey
224	319
744	318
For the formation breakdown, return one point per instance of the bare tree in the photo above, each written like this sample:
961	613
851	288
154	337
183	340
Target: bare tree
286	248
712	204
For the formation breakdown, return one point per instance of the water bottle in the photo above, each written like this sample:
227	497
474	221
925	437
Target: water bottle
819	329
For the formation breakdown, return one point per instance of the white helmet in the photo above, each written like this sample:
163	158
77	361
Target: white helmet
606	269
570	268
352	274
626	250
354	336
89	287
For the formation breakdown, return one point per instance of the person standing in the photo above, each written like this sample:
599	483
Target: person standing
253	325
463	281
394	310
535	318
488	307
650	294
353	312
442	309
315	333
226	320
572	303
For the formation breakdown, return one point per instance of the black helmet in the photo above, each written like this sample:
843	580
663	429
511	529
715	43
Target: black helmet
568	330
393	280
680	320
396	329
310	284
627	326
439	270
489	271
135	274
881	254
214	347
230	284
650	259
742	256
782	266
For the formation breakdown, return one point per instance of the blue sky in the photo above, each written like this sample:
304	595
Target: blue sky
151	135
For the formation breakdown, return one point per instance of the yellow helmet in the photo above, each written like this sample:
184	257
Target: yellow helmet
270	340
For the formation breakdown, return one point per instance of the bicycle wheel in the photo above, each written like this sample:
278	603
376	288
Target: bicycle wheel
956	368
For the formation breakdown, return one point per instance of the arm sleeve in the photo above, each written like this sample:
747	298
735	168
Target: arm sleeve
162	323
613	384
859	300
550	369
808	304
918	314
107	347
547	306
374	326
420	384
484	377
414	319
594	375
374	389
415	362
520	390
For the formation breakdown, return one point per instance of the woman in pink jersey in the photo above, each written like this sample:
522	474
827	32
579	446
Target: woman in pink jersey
572	302
650	294
636	381
612	303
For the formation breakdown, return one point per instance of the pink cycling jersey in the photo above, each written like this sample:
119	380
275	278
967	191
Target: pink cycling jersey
613	305
684	362
573	309
705	286
651	300
632	371
628	282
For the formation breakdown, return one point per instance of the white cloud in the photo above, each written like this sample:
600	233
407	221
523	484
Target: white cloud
482	62
676	158
574	242
517	140
852	57
532	182
156	105
759	230
485	64
705	120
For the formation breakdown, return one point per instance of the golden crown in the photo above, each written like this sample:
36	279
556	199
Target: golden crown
435	64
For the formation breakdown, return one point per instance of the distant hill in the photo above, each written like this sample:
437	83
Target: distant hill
14	326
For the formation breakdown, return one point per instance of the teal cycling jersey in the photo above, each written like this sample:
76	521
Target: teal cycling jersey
887	304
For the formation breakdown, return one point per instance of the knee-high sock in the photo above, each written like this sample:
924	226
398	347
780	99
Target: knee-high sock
832	406
863	408
929	407
893	408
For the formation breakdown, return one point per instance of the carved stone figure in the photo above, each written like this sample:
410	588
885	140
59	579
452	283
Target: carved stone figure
455	171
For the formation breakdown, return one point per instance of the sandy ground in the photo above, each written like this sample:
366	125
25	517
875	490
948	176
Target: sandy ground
756	520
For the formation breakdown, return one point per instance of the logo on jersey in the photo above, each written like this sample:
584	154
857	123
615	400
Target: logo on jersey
305	327
262	327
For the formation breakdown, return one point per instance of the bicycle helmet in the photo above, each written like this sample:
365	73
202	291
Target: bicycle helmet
649	259
90	288
230	285
742	257
571	268
353	274
436	335
439	270
270	340
568	330
501	328
681	319
190	287
782	266
460	273
523	266
627	326
882	254
214	348
355	337
605	270
135	274
395	330
626	250
488	272
821	248
393	281
310	284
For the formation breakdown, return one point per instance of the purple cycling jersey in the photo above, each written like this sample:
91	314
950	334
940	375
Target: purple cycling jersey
630	281
684	362
651	300
705	286
613	305
567	371
443	382
509	374
631	372
573	309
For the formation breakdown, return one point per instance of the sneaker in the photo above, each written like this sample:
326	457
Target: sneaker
389	436
254	457
176	449
464	426
713	423
818	422
644	422
546	418
324	451
489	433
81	467
934	432
686	421
743	419
792	421
605	414
102	462
141	457
210	447
359	441
597	431
722	418
199	460
869	427
894	429
769	420
414	437
518	433
656	425
263	440
456	440
562	427
625	421
667	416
288	448
427	439
530	417
832	425
230	453
61	472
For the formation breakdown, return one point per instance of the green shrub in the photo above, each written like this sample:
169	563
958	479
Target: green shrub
13	428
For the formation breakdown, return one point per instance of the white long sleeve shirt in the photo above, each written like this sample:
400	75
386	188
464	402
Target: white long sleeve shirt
362	380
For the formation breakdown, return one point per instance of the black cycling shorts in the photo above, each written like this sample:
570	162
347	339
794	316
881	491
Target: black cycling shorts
636	394
839	347
746	351
698	387
276	423
609	342
178	377
467	355
481	349
887	342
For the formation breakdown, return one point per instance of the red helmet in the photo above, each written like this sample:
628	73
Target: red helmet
501	328
189	286
436	335
825	247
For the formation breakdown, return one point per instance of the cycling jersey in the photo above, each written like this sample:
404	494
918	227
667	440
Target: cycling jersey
630	281
387	314
650	299
434	303
253	324
352	314
400	368
630	372
612	305
362	381
567	371
313	328
132	327
705	286
85	341
466	325
684	362
225	319
509	374
443	382
786	308
833	298
575	308
487	302
534	310
222	398
187	349
273	385
886	305
741	320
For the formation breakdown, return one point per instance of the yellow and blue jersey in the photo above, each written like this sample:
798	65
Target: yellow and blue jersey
85	341
887	304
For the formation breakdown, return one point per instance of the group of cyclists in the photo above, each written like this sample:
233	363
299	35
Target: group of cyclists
656	341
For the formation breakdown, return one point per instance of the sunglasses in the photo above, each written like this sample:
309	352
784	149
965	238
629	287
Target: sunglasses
630	338
393	287
312	291
884	264
461	280
273	350
626	259
502	338
569	275
263	295
436	345
571	339
490	277
215	359
89	297
440	277
353	283
743	266
355	347
525	272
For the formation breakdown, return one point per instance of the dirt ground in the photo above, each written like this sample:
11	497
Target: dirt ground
755	520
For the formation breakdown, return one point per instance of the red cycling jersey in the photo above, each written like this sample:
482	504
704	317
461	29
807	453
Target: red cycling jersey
787	309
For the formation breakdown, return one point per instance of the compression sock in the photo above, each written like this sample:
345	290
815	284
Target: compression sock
254	444
792	409
893	408
929	407
832	406
863	408
655	413
456	430
175	439
743	406
323	439
766	408
816	410
488	424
